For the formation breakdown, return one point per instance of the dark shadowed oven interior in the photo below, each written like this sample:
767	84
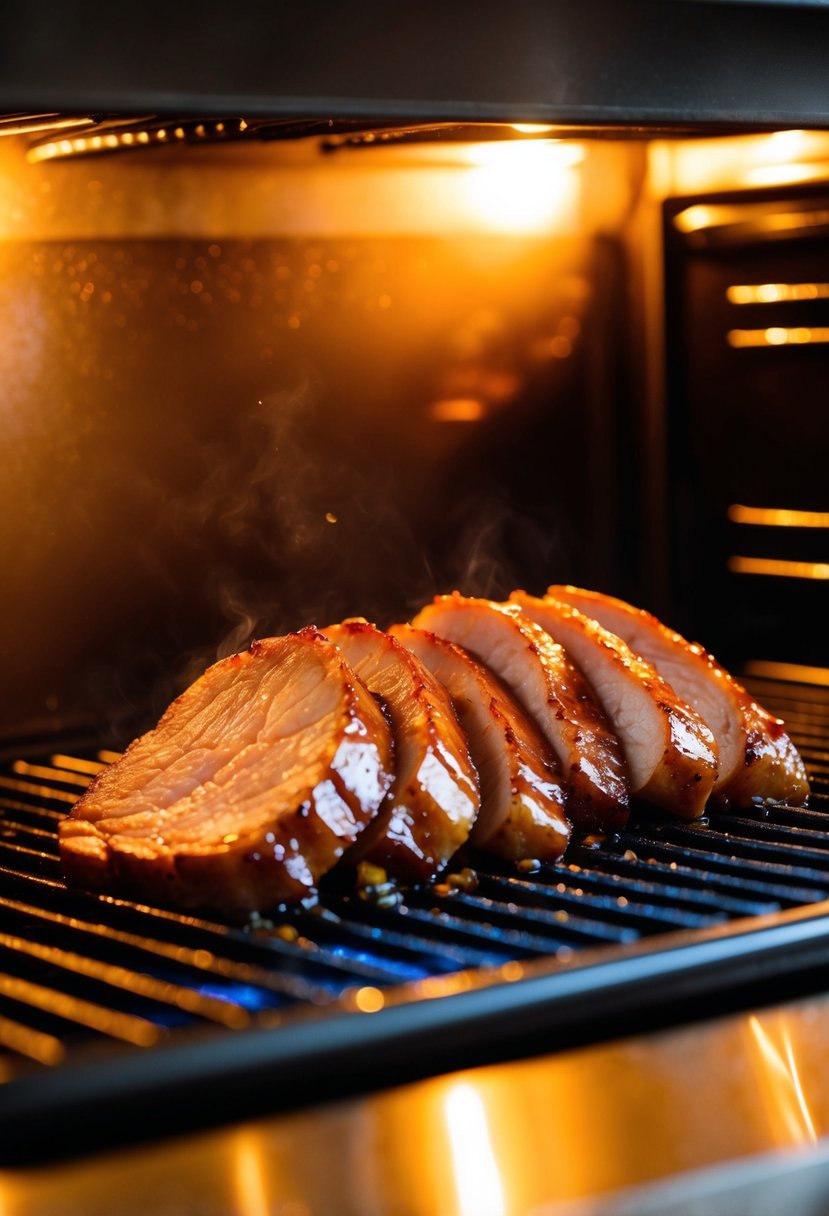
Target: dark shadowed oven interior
236	437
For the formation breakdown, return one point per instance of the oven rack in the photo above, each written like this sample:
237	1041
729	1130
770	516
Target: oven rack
116	1008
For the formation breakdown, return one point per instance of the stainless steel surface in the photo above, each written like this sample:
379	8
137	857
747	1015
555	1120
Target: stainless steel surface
622	61
538	1136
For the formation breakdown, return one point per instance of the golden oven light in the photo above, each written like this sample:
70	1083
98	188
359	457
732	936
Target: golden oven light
787	145
777	517
457	409
369	999
782	1084
71	764
251	1175
532	128
478	1182
701	216
34	123
519	187
695	218
775	293
33	1044
734	162
801	672
778	568
785	174
779	335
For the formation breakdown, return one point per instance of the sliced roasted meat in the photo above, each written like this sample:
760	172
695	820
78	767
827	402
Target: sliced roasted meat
522	794
250	787
434	799
757	758
670	752
554	694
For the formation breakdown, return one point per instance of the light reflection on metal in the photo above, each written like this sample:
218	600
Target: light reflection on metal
778	568
165	992
34	1044
369	1000
532	128
777	517
786	174
788	144
75	765
788	671
698	166
786	1088
43	812
779	335
38	791
137	136
30	124
47	834
117	1025
521	187
772	293
197	958
204	960
49	774
457	409
478	1181
724	215
694	219
251	1176
109	757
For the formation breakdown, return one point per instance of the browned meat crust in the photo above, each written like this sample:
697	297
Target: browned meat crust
671	753
757	757
434	799
250	787
554	694
522	793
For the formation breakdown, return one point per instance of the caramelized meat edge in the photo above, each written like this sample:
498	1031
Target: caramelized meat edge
757	757
251	786
671	753
554	694
522	794
434	799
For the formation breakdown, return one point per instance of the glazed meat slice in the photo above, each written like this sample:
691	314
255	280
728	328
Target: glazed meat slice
250	787
522	794
670	752
552	691
434	798
757	758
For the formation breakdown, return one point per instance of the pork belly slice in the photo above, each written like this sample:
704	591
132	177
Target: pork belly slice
522	794
757	758
434	799
249	789
552	691
670	752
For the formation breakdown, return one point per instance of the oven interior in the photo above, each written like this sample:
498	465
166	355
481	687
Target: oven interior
257	374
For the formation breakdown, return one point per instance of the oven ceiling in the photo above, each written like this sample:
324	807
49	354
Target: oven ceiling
649	63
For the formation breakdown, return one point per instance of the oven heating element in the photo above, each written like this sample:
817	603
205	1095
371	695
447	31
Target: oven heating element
117	1009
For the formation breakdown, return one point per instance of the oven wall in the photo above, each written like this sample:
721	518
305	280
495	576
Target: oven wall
243	394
